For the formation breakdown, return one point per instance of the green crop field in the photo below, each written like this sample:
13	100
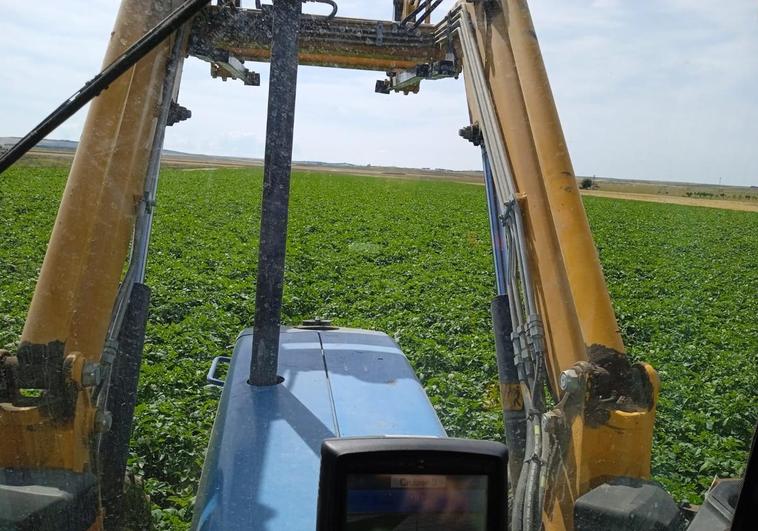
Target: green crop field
412	258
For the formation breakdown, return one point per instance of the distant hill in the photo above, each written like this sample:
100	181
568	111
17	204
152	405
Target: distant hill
60	145
8	141
69	147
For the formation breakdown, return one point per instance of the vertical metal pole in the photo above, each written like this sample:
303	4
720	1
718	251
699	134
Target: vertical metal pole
170	89
496	226
276	184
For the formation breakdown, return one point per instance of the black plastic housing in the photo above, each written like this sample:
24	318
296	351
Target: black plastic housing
47	500
409	455
627	504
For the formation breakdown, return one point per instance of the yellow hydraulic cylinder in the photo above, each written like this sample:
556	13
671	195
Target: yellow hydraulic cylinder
593	304
79	279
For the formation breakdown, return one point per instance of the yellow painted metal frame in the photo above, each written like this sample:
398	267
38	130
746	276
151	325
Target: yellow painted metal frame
333	60
572	295
75	293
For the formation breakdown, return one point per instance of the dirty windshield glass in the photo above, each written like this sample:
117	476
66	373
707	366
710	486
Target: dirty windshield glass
236	230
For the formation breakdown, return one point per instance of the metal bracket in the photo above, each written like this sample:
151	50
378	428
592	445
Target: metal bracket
45	371
8	385
472	133
223	64
176	114
607	382
407	81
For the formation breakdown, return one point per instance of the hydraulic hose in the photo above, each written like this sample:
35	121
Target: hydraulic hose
100	82
532	520
517	519
514	419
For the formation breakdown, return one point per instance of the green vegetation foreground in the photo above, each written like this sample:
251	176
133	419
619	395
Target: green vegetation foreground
411	258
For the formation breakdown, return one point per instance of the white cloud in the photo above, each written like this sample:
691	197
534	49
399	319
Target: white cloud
655	90
660	90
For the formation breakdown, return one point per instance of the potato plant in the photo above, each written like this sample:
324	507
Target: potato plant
411	258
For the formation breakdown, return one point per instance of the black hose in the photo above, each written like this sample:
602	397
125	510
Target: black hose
101	81
514	419
428	12
519	498
122	398
428	6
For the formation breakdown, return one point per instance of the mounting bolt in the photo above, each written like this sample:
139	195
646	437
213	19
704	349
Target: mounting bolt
103	421
473	134
317	324
91	374
570	381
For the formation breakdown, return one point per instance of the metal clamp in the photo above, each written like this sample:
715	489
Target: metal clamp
332	3
407	81
211	378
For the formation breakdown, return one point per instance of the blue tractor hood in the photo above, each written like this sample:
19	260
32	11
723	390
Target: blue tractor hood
262	466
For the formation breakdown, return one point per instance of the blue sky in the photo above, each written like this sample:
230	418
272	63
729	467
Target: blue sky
651	89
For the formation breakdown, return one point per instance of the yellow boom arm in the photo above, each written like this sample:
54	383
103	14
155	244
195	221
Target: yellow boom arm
504	59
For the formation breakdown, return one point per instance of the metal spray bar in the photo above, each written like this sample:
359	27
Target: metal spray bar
338	42
144	221
496	227
472	68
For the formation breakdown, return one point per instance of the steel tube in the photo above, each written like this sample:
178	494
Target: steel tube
170	87
496	227
276	185
498	104
144	221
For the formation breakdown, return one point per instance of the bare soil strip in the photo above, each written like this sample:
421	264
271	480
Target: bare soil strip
630	190
689	201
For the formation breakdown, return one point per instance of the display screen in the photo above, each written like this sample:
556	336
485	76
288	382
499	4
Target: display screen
389	502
